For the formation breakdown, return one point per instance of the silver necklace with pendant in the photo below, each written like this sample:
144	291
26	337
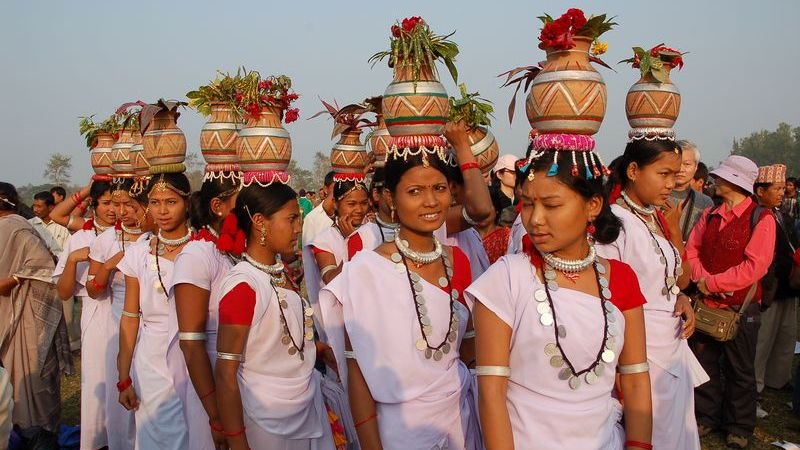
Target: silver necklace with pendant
286	335
163	242
547	317
421	308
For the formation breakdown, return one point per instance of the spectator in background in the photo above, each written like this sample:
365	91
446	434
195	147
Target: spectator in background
305	204
54	235
700	177
777	336
729	251
503	182
58	194
692	203
312	197
789	203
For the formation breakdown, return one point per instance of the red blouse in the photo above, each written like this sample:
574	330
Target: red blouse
238	305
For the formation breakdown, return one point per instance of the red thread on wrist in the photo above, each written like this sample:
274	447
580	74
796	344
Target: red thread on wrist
362	422
124	384
469	165
96	285
235	433
638	444
216	427
207	394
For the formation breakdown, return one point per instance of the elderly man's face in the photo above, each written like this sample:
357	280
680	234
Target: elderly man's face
688	168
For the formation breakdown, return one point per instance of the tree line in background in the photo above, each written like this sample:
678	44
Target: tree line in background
764	147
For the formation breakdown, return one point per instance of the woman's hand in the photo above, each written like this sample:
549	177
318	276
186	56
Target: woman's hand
456	134
672	215
80	255
220	443
325	353
128	399
346	225
683	308
111	264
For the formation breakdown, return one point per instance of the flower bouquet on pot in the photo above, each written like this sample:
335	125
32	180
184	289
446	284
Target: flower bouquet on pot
567	95
164	143
415	104
264	147
100	137
348	156
476	114
654	102
219	102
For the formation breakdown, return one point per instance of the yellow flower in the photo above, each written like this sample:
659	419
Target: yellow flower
598	48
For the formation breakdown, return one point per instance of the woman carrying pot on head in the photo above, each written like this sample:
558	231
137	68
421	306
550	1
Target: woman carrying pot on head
71	212
556	324
196	278
402	318
102	312
145	323
650	242
268	392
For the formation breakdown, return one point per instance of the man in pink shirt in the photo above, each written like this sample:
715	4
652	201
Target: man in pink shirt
730	249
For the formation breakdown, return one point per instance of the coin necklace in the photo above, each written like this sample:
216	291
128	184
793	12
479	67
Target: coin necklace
286	335
558	357
415	282
571	269
670	281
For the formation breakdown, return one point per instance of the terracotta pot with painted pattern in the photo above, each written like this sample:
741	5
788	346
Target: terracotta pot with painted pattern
379	141
349	155
218	138
164	143
101	154
263	144
413	108
653	104
484	147
121	161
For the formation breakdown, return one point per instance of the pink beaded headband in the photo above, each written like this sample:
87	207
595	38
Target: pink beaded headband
573	143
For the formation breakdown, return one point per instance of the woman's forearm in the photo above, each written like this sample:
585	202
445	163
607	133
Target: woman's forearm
67	281
128	331
637	407
363	409
201	374
229	400
495	421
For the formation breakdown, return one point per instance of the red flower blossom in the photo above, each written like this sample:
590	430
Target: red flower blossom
239	96
291	115
291	96
410	23
576	18
557	35
231	237
395	31
637	60
264	85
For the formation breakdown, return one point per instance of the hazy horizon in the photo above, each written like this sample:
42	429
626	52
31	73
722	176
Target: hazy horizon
70	59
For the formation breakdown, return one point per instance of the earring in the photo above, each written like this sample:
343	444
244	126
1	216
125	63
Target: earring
591	230
263	240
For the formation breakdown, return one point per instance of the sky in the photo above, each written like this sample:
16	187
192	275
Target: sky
65	59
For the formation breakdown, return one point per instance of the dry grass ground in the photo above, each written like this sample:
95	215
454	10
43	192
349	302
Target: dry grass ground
780	424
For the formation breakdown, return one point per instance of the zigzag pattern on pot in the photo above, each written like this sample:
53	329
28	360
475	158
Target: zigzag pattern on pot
550	96
670	106
214	139
340	158
433	106
261	151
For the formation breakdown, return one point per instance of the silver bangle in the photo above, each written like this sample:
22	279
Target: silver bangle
496	371
327	269
466	216
469	334
349	354
130	314
230	356
630	369
69	222
191	336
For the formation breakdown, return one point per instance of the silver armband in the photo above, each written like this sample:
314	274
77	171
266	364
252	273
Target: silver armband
191	336
230	356
466	216
496	371
631	369
130	314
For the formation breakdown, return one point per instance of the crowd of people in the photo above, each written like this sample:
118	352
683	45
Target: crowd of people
441	309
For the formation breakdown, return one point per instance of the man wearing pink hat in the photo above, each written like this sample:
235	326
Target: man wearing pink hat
777	336
730	249
503	182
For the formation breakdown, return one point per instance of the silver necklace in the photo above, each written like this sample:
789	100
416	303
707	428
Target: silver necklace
670	281
571	265
99	229
131	230
648	210
426	328
419	258
275	271
212	231
547	317
163	242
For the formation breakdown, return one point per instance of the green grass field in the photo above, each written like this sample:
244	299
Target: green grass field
780	424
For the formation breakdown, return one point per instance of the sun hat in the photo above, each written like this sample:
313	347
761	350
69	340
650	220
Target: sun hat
505	162
739	171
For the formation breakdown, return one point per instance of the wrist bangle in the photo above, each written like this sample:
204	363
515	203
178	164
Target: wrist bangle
466	217
16	279
216	427
235	433
76	197
638	444
327	269
469	165
363	421
124	384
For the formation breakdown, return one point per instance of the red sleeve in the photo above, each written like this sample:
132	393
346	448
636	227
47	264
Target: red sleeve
462	273
354	245
624	285
317	250
236	307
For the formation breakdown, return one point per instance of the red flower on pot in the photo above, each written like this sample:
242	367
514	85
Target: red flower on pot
410	23
395	31
292	115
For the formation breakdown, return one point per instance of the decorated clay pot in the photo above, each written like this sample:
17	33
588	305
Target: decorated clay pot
264	145
568	95
651	103
218	136
413	108
349	155
484	148
164	143
101	154
120	154
379	141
